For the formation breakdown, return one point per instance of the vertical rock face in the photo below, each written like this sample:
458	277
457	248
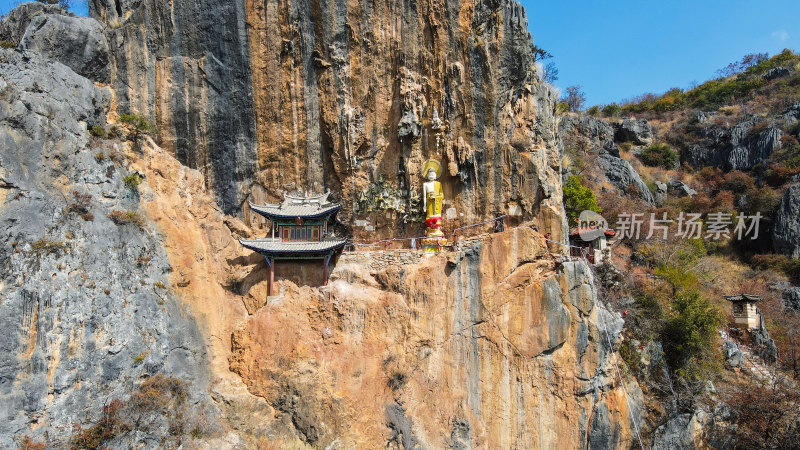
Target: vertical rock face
77	42
498	348
333	94
186	66
82	315
786	232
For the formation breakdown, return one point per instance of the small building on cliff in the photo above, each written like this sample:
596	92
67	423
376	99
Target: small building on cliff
301	238
745	311
591	243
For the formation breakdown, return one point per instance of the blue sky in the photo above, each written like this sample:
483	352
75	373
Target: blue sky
621	48
78	6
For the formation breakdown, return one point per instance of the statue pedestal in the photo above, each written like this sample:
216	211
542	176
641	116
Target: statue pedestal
433	245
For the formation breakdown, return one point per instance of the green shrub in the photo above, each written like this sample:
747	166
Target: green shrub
659	155
593	111
7	44
132	181
562	108
139	126
715	93
689	334
611	110
578	198
98	131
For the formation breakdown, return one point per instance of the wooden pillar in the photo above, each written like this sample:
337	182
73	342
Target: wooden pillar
325	270
271	263
271	275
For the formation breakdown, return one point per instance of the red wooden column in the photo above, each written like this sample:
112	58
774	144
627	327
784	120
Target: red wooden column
271	275
271	263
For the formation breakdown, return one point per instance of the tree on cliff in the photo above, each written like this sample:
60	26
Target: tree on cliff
575	98
139	127
578	198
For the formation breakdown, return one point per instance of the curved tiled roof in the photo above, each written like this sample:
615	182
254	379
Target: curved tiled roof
290	210
275	246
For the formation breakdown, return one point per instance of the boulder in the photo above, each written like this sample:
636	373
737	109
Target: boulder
791	298
587	134
13	25
754	149
763	344
786	231
623	176
775	73
680	189
661	193
733	354
637	131
76	42
681	431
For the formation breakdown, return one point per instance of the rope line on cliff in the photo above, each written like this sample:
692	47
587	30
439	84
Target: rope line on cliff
622	383
385	241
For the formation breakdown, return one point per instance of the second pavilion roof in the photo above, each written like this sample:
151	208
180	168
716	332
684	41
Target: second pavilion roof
314	207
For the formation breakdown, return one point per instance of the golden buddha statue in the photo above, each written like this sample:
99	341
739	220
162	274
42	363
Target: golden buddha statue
432	197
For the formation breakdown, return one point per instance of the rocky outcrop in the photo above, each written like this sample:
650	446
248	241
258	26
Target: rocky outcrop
682	432
76	42
14	24
791	298
678	188
739	147
514	347
335	95
624	177
786	231
587	135
732	353
636	131
84	305
186	67
776	72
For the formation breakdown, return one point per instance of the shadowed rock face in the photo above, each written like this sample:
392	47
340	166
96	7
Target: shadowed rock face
332	94
786	232
186	66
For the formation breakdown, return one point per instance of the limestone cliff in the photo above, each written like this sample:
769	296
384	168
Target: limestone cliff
266	97
508	351
120	267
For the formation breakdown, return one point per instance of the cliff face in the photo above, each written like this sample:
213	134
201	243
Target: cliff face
492	347
269	96
108	285
84	309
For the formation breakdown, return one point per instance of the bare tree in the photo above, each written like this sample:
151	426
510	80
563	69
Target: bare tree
550	72
575	98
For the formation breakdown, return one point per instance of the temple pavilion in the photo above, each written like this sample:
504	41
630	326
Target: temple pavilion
300	233
745	311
